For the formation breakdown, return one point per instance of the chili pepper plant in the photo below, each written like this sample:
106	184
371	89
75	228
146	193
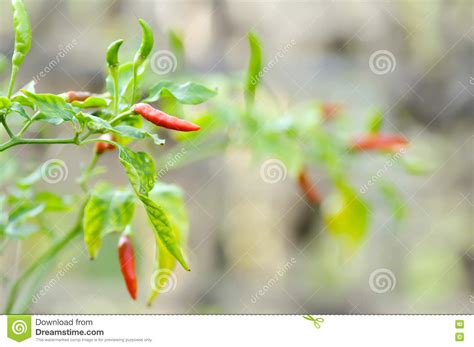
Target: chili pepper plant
133	106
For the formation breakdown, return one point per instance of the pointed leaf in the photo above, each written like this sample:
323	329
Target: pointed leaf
189	93
108	210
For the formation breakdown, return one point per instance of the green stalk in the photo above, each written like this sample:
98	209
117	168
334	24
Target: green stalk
12	80
7	128
16	142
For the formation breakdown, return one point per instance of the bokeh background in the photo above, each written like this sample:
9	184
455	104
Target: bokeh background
244	235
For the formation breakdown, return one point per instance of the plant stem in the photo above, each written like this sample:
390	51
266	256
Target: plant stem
134	82
50	253
7	128
12	81
16	141
120	116
98	140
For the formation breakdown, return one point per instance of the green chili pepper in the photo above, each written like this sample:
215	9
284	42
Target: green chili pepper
147	44
113	64
143	53
254	69
22	40
112	54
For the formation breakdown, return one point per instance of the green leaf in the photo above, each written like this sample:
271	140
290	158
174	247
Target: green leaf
92	102
163	229
172	198
254	68
26	182
25	211
20	231
4	102
17	108
134	133
53	202
189	93
141	173
346	215
18	226
94	123
108	210
52	108
375	122
140	170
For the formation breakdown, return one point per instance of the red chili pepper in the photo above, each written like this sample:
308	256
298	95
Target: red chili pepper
309	189
77	96
384	142
127	264
101	147
162	119
330	110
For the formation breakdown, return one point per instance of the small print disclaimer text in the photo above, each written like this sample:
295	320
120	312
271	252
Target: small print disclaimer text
78	330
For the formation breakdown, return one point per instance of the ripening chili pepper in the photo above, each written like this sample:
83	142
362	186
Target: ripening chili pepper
308	188
127	264
101	147
77	96
162	119
330	110
384	142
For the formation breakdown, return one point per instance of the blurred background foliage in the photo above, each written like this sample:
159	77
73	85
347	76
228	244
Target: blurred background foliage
242	229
